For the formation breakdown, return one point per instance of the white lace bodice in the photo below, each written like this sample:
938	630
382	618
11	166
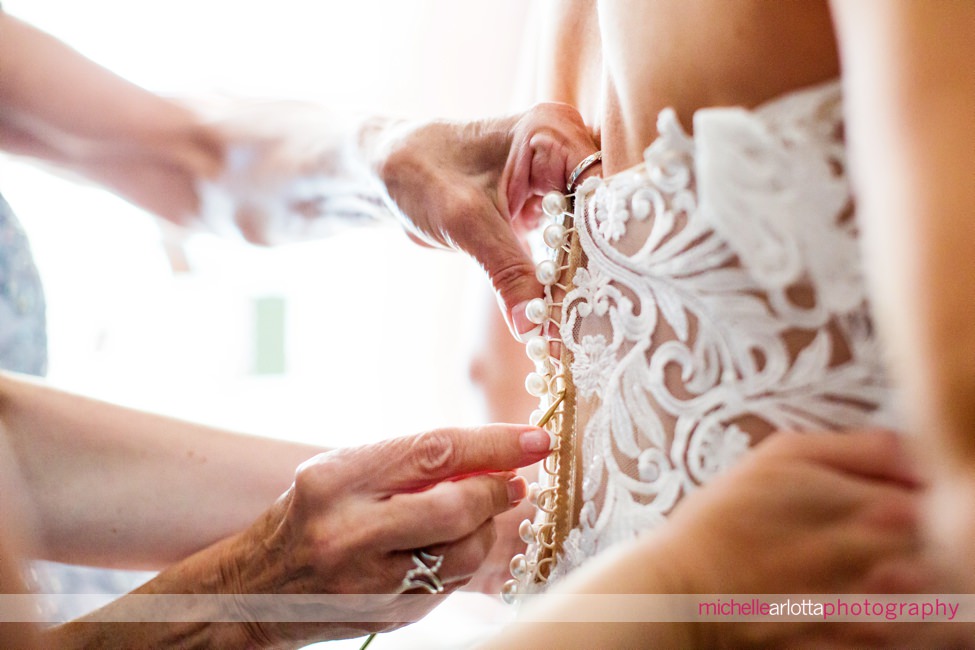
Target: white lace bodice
721	298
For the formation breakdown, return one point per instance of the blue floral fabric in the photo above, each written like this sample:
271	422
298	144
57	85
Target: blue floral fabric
23	332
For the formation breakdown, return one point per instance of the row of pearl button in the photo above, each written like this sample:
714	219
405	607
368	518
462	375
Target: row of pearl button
546	383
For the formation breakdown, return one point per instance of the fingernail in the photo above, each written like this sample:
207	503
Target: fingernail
524	328
523	337
517	489
536	441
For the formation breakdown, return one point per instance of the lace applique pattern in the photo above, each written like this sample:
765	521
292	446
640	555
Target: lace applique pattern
721	298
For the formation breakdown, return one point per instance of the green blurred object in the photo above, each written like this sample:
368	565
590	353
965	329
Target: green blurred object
269	313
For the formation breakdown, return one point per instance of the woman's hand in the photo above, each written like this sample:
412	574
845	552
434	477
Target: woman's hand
341	541
473	186
292	170
354	517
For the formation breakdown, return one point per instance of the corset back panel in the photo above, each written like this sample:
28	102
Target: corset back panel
721	298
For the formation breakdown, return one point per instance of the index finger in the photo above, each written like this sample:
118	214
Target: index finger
415	462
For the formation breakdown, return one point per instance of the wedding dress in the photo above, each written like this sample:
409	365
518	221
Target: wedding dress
717	296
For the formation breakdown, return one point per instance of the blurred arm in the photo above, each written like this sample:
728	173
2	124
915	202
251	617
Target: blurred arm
266	171
118	487
60	107
910	97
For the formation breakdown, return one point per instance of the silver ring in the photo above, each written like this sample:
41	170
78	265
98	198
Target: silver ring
581	168
424	575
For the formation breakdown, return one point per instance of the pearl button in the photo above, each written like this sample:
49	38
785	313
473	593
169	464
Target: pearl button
545	368
547	272
553	235
535	417
535	384
554	204
537	349
534	489
536	311
509	592
526	532
518	567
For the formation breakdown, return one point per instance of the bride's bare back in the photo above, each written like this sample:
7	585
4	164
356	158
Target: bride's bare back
623	61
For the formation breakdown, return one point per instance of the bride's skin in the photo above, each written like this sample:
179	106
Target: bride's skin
637	57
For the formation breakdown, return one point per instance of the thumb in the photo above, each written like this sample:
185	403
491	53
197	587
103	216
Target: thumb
511	271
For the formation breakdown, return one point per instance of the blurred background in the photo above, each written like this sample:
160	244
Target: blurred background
343	341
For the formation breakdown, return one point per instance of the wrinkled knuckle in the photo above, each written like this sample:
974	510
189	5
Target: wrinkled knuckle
321	477
435	453
309	476
512	276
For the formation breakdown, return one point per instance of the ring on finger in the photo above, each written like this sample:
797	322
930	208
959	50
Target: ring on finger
424	574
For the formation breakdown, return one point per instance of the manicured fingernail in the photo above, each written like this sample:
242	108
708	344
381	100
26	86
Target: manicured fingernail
523	337
536	441
524	328
517	489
